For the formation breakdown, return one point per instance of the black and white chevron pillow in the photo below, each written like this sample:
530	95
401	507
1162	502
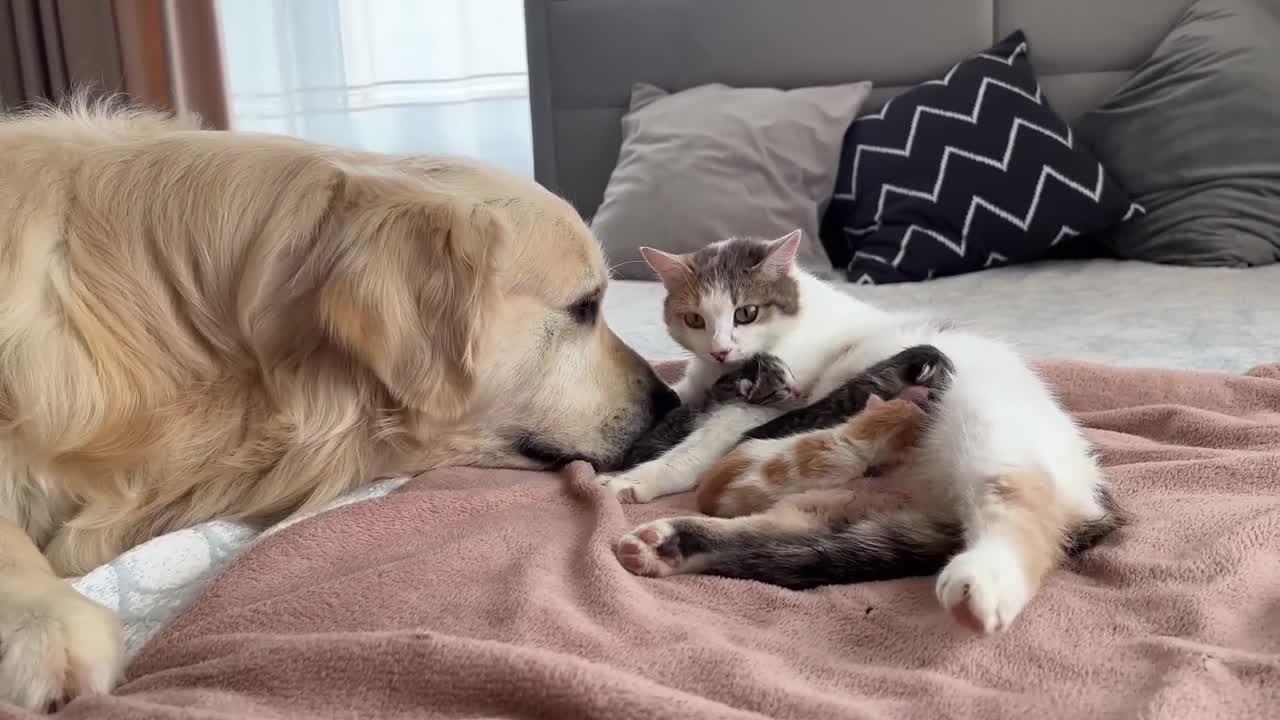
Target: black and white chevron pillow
966	172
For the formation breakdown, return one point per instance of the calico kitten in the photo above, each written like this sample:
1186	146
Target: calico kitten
920	366
1002	481
765	380
761	380
804	513
825	444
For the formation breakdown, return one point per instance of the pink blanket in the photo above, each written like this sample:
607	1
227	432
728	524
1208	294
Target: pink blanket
496	594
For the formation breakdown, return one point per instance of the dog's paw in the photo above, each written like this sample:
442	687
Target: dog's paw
650	550
55	645
984	589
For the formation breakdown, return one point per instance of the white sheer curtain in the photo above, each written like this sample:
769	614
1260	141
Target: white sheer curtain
445	76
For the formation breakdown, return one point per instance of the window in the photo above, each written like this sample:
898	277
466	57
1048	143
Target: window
440	76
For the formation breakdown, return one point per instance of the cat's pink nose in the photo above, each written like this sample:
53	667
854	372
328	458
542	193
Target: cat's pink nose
720	355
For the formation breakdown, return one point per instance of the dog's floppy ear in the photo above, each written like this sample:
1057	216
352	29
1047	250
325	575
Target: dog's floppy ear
411	287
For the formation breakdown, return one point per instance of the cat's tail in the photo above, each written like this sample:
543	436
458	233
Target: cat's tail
880	547
798	549
876	547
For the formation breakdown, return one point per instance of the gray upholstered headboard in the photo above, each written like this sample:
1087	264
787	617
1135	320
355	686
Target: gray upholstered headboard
584	56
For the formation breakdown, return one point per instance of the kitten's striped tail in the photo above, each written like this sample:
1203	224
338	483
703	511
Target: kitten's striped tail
799	549
877	547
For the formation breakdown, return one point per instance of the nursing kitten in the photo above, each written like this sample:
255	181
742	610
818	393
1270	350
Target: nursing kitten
804	511
828	443
761	380
765	380
922	368
1002	482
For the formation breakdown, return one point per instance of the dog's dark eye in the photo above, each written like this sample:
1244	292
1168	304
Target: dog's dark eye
746	314
585	311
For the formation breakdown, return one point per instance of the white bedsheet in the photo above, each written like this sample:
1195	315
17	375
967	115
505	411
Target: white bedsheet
1118	312
149	585
1125	313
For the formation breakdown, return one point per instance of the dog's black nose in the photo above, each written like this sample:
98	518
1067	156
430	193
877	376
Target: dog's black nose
663	400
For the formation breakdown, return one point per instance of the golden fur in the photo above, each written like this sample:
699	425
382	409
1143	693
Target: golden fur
199	325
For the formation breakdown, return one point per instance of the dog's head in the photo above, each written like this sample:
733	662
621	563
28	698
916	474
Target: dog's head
475	298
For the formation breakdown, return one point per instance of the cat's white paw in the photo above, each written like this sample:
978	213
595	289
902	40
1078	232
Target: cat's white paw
646	550
634	486
984	588
55	645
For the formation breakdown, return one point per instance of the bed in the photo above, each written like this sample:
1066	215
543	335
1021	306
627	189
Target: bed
585	55
1109	311
1208	319
285	633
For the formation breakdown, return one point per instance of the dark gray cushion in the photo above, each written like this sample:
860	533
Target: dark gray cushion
713	162
971	170
1195	136
585	55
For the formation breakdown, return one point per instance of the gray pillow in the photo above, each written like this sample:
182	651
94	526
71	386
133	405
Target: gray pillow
1195	136
713	162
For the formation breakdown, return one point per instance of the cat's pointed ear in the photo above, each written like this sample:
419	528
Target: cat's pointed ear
873	401
782	253
671	269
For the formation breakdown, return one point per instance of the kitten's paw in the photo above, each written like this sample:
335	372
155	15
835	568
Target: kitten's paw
793	399
928	367
650	550
56	645
926	373
782	397
984	588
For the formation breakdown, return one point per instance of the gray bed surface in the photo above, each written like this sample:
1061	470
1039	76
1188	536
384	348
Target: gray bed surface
1110	311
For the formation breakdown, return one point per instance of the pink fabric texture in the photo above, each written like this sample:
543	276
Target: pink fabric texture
474	593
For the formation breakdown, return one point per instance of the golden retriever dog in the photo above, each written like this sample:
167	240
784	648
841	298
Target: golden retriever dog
199	325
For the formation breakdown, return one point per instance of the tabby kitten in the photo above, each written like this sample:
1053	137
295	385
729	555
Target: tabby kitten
804	511
826	443
765	380
762	380
1002	481
922	371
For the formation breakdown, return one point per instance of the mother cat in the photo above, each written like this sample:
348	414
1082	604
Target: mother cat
999	454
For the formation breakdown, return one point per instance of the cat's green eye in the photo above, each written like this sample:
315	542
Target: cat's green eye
694	320
746	314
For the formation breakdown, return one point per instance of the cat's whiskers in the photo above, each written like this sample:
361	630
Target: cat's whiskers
612	268
994	514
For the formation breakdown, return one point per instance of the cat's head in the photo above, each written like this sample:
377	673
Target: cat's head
731	300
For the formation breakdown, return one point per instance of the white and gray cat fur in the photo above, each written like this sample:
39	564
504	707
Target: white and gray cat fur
1000	469
760	380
